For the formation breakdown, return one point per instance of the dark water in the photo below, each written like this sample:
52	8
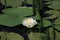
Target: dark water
19	31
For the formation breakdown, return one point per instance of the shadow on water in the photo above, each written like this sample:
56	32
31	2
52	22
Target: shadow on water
15	29
45	8
57	30
1	8
19	29
27	5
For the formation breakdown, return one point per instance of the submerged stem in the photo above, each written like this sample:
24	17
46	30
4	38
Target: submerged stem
53	31
40	7
5	4
3	36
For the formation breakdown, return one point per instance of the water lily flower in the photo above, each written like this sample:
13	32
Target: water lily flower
29	22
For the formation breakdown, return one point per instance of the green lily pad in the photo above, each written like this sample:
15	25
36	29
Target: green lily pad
55	5
46	23
9	20
14	3
14	36
14	16
37	16
10	36
22	11
57	20
36	36
53	12
29	1
57	26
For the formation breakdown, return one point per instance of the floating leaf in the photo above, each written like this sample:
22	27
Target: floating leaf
9	20
35	36
53	12
37	16
57	26
29	1
14	36
57	20
24	11
46	23
14	16
55	5
13	3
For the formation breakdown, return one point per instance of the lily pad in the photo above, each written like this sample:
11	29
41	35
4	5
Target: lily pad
19	11
53	12
46	23
13	3
57	26
55	5
36	36
9	20
14	16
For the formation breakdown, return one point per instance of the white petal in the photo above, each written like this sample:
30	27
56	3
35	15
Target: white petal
29	22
